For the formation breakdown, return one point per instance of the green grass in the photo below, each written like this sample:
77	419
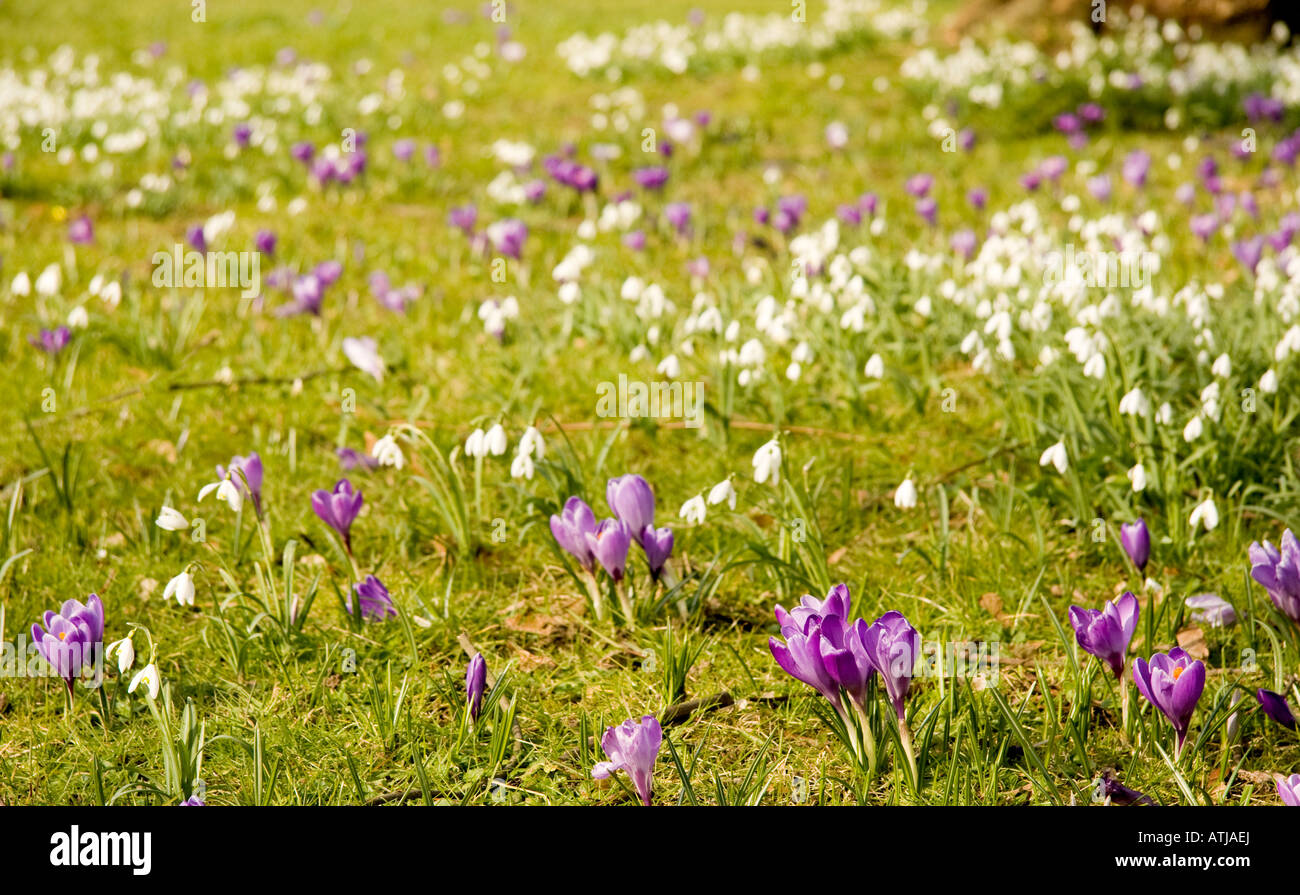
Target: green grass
996	551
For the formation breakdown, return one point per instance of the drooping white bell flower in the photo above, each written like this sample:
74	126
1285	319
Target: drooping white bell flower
767	463
693	511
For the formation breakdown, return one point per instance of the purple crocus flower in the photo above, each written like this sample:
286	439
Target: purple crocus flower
1067	123
1136	541
678	215
633	501
1203	226
1032	181
376	604
1135	168
849	214
652	178
1249	252
963	243
81	231
1172	682
571	528
264	242
302	151
1106	632
800	655
609	543
634	240
1212	610
919	185
867	203
1279	573
928	209
1053	167
535	191
196	238
1091	113
966	139
658	546
507	236
475	684
51	341
1274	705
632	747
837	602
354	459
1100	187
1288	790
69	637
251	466
1185	193
893	646
845	658
404	149
243	133
978	198
1119	794
338	509
193	802
463	218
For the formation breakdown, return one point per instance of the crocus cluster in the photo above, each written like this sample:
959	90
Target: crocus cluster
608	541
840	659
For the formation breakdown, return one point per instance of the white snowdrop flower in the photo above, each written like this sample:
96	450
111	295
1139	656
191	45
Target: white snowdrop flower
475	445
1134	403
1268	382
1222	366
1048	356
227	492
924	306
570	292
1193	429
364	354
905	495
587	229
670	367
170	519
495	440
1056	456
111	294
388	453
638	354
1206	514
532	443
793	371
22	284
693	511
148	676
732	333
752	353
632	288
767	463
1095	368
78	318
1138	476
124	649
182	588
521	467
50	281
723	491
875	368
1165	414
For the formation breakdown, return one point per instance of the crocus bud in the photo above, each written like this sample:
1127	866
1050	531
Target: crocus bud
476	684
1137	543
